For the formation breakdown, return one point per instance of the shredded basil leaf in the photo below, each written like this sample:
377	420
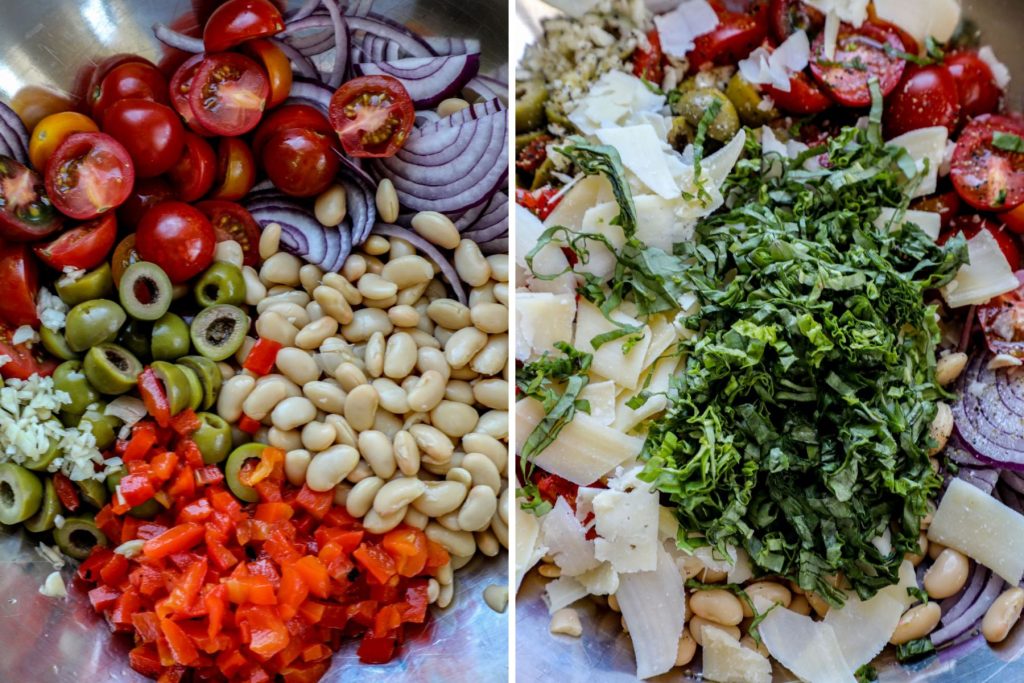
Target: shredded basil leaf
1008	142
915	649
918	594
866	674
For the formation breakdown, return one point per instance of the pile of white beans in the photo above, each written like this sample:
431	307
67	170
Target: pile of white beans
387	391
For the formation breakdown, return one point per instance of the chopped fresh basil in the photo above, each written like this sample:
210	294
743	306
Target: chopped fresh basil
1008	142
914	650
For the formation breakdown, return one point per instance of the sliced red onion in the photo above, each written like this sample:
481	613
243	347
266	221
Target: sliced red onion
958	453
981	479
13	134
474	111
476	89
429	80
429	251
359	8
354	168
301	64
341	44
362	208
451	169
176	39
498	246
453	46
954	606
960	625
1013	480
470	216
425	117
989	413
309	44
304	236
307	8
312	92
384	28
494	214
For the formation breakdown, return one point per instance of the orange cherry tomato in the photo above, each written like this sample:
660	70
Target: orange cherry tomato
277	65
236	170
124	256
33	103
53	130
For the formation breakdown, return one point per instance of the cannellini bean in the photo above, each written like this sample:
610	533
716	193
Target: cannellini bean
286	440
341	492
387	202
463	345
460	475
397	494
263	398
361	471
391	396
476	442
768	591
450	314
345	434
318	436
296	462
333	304
492	393
274	326
404	315
717	605
447	108
233	394
376	523
376	245
325	396
435	446
297	365
400	247
228	251
327	469
282	295
467	374
311	336
376	449
270	240
949	367
686	649
941	427
495	423
504	503
916	622
387	423
436	227
947	575
361	407
407	296
478	508
349	376
365	322
428	391
415	518
496	597
487	543
491	318
445	596
408	271
819	606
309	277
407	453
331	206
800	605
373	355
293	412
455	542
470	264
361	497
440	498
484	294
566	621
453	418
400	355
354	268
460	392
698	624
499	267
281	269
751	644
492	356
375	287
432	359
500	292
918	557
290	387
255	291
1002	615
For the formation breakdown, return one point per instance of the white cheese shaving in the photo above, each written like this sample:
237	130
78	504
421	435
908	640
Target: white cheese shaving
601	260
587	192
626	418
999	70
929	221
776	67
726	661
807	648
742	569
657	222
566	540
612	100
653	606
562	592
627	529
921	18
574	8
982	528
927	147
609	360
72	274
831	35
542	319
601	396
678	29
53	586
986	275
528	549
851	11
643	155
601	580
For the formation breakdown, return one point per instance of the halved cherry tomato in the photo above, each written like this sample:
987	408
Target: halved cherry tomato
804	96
860	55
196	169
53	130
125	255
178	238
129	80
742	26
33	103
789	16
237	21
372	116
151	132
647	60
289	116
236	170
985	176
947	205
181	86
89	174
910	44
229	93
83	247
26	212
927	96
976	86
1002	321
971	225
300	162
277	66
540	202
146	192
19	274
24	361
232	222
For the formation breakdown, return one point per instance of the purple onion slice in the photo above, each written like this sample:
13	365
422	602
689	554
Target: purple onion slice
429	251
13	134
429	80
176	39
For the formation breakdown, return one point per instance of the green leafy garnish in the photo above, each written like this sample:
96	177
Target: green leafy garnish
918	594
709	116
866	674
915	649
604	160
1008	142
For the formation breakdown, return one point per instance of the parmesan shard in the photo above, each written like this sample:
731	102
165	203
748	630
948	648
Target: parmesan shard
979	526
562	592
627	529
921	18
643	155
657	222
776	68
655	632
584	451
528	550
807	648
927	147
600	260
613	100
609	360
542	318
1000	72
726	661
690	19
566	540
601	396
851	11
929	221
986	275
587	192
601	580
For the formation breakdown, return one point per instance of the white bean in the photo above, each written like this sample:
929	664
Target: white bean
436	447
313	335
345	434
492	357
476	442
491	318
375	287
451	106
399	356
428	391
494	423
329	468
453	418
455	542
361	407
255	291
404	316
309	277
318	436
477	510
373	354
499	267
387	201
492	393
365	322
376	449
297	365
293	412
436	228
407	453
325	396
286	440
233	394
460	391
440	498
270	241
392	397
296	463
487	543
361	497
263	398
470	264
463	345
292	312
274	326
228	251
566	621
333	304
331	206
397	494
376	523
407	271
349	376
1002	615
281	269
432	359
450	314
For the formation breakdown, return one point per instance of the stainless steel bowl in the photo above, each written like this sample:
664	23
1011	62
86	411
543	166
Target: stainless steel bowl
45	43
604	653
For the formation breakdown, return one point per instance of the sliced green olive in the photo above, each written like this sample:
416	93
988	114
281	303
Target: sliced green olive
93	322
209	377
93	492
218	331
748	102
103	427
213	438
46	516
681	134
41	463
694	103
111	369
170	340
145	291
96	284
69	377
136	336
542	176
526	138
77	536
530	98
21	493
222	283
176	386
555	116
195	387
234	467
56	344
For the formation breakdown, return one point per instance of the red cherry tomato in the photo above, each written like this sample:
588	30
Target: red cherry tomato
151	132
804	96
971	225
789	16
83	247
541	202
1014	220
24	361
647	60
910	45
300	162
196	169
181	86
860	55
89	174
25	211
237	21
232	222
146	192
289	116
88	81
975	83
742	26
19	274
925	97
1002	321
130	80
947	205
236	170
178	238
229	93
986	177
372	115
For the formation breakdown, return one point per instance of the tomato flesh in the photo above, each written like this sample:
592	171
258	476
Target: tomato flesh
372	115
236	170
195	171
181	86
985	176
26	212
947	205
228	94
789	16
927	96
860	55
647	60
178	238
89	174
19	274
233	222
84	247
151	132
976	86
237	21
24	361
804	97
742	26
277	66
300	162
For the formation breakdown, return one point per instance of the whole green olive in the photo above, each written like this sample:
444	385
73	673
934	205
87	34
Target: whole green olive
56	344
21	493
213	438
103	427
170	340
694	103
70	378
222	283
96	284
748	102
93	322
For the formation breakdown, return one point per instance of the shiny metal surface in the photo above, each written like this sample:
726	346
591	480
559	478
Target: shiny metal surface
44	43
604	653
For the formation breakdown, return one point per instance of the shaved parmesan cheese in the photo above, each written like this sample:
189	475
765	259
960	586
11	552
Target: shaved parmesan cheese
589	191
609	360
601	396
925	145
601	261
657	222
776	68
562	533
741	570
851	11
574	8
999	70
663	334
542	319
601	580
627	529
528	550
921	18
726	661
549	261
929	221
982	528
584	451
562	592
807	648
643	155
626	418
611	100
653	606
717	167
689	20
987	275
831	35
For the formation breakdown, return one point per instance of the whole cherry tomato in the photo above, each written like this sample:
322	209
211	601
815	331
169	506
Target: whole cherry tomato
927	96
151	132
195	171
19	274
300	162
129	80
236	170
289	116
178	238
976	86
946	204
84	247
372	115
804	96
89	174
237	21
146	192
53	130
789	16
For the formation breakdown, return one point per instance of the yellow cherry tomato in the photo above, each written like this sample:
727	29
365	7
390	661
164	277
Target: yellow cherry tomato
35	102
53	130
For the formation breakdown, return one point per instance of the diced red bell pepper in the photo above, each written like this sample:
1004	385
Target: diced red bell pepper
416	601
317	503
190	453
262	356
125	609
184	485
181	646
273	512
257	590
185	422
90	568
387	621
135	489
231	662
248	425
304	673
216	602
115	570
103	598
197	511
314	574
67	493
209	474
376	650
292	593
408	547
268	634
312	612
185	592
154	397
145	660
148	626
376	561
174	540
143	438
437	556
220	557
161	466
